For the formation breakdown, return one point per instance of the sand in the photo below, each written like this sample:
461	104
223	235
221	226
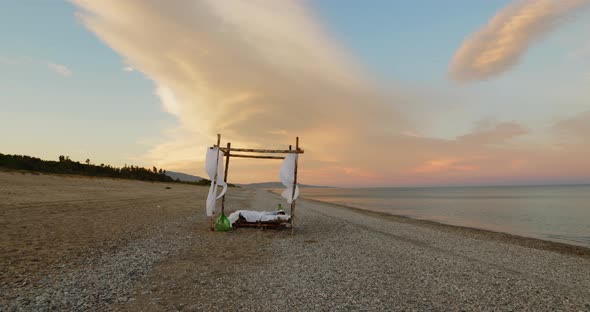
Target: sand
76	243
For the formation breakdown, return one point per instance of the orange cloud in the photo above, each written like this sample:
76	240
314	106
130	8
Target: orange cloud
494	133
444	164
502	42
518	163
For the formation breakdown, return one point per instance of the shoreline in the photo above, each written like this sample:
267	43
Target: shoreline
515	239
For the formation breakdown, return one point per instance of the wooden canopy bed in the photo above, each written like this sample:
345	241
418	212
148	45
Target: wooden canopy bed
233	152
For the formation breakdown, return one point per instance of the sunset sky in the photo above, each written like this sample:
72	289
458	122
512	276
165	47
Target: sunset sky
381	93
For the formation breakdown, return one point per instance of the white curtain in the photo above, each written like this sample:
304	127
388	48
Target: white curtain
287	175
214	160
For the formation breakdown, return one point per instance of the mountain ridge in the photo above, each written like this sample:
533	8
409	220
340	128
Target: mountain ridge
184	176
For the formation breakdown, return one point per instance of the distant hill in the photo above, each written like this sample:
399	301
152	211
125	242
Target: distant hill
64	165
278	185
183	176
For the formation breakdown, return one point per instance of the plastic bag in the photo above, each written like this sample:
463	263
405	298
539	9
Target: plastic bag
223	224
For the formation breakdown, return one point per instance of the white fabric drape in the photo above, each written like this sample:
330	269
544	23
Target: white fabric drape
287	175
213	161
221	175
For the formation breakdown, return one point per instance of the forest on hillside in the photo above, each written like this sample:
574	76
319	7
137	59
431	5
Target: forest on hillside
64	165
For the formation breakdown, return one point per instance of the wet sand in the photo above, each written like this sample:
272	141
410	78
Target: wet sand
92	244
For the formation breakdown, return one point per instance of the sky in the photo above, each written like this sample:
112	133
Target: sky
381	93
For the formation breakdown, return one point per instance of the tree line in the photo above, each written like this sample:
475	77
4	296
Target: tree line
65	165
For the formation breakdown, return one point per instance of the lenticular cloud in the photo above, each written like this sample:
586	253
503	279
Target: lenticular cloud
504	40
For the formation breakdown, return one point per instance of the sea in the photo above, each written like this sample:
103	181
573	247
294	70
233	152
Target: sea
555	213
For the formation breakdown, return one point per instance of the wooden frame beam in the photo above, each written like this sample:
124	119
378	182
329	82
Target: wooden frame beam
294	189
225	178
212	219
256	156
263	151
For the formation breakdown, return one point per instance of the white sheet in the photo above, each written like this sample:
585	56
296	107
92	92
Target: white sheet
221	175
213	160
287	175
257	216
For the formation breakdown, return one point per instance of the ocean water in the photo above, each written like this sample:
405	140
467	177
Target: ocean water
557	213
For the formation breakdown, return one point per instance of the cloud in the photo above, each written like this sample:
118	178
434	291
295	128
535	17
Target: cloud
444	164
128	69
60	69
582	53
262	72
282	132
244	69
505	39
169	102
489	133
578	125
14	61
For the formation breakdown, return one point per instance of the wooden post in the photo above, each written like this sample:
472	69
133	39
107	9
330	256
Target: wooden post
225	176
294	188
212	218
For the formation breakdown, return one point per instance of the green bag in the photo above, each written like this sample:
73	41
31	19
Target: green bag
222	224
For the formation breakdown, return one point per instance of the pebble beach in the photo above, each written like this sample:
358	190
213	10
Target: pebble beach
85	244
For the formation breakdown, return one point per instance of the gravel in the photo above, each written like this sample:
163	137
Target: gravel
346	260
340	259
98	281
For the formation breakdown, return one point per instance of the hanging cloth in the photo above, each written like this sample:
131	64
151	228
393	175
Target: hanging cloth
287	175
213	161
220	176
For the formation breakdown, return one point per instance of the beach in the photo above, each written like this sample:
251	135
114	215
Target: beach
77	243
